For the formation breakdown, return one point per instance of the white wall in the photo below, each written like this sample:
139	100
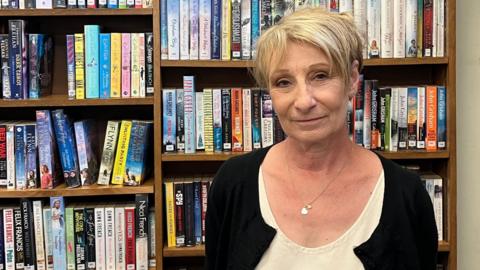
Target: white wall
468	133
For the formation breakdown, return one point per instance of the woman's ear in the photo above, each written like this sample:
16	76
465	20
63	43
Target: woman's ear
354	80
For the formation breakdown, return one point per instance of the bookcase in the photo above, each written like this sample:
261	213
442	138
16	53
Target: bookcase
213	73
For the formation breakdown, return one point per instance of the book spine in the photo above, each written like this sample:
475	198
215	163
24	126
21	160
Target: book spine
345	6
216	29
173	29
19	247
278	134
71	66
111	233
79	236
126	64
79	67
10	138
163	30
169	120
112	4
217	119
208	119
5	65
256	118
122	3
2	241
92	55
434	28
9	233
189	113
431	97
421	129
81	143
351	119
412	107
47	150
136	164
226	24
33	65
184	30
91	4
141	231
47	231
266	14
58	233
135	66
116	65
359	111
441	28
151	238
399	28
367	115
402	118
45	53
383	92
90	238
237	121
149	82
360	19
419	28
438	205
236	42
226	120
138	4
15	38
108	154
31	156
394	106
20	159
246	29
427	28
189	214
375	130
118	250
70	238
102	3
130	3
267	120
121	155
3	155
72	4
199	122
141	64
147	3
197	212
388	119
130	238
411	28
373	28
180	121
204	30
100	238
204	197
105	75
255	26
442	117
170	214
278	11
179	214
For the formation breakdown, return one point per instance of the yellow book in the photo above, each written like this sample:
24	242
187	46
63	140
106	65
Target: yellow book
135	66
79	67
226	29
121	155
116	65
208	119
170	206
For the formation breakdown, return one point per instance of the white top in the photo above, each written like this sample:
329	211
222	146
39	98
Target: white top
283	253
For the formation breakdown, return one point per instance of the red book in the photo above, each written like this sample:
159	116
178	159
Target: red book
427	27
130	237
431	118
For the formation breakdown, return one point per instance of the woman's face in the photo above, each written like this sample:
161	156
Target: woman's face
311	102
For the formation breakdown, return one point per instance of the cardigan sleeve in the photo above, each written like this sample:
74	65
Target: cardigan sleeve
427	234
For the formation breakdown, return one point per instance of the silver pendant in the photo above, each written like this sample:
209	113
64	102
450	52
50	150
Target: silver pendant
305	209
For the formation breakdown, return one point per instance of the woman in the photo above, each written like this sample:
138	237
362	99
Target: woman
316	200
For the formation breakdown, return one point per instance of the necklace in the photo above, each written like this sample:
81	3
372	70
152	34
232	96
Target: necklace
308	206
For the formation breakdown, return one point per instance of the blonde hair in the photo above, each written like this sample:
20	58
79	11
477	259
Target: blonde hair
335	34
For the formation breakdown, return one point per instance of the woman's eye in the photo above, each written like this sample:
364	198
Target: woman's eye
320	76
282	83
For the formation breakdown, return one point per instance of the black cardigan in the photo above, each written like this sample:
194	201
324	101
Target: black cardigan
237	236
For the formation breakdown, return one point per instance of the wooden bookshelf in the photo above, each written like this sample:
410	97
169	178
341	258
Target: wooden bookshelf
195	251
75	12
63	101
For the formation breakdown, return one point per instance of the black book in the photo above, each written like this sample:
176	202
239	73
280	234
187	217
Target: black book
90	237
28	234
384	92
226	120
189	214
19	249
179	216
79	236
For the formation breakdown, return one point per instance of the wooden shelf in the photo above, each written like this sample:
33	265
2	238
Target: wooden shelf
443	246
75	12
63	101
196	251
93	190
420	154
250	63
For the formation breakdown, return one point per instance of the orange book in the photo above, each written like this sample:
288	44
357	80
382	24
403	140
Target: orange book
237	121
431	118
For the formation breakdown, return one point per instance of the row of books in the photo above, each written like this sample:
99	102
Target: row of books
398	118
49	4
53	149
229	29
26	61
109	65
217	119
185	209
38	235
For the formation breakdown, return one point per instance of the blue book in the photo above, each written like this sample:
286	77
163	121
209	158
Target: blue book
34	41
256	118
442	117
197	211
47	151
15	38
216	28
87	149
189	113
58	233
137	166
112	4
92	56
66	147
31	155
20	153
163	30
105	65
217	120
255	31
169	120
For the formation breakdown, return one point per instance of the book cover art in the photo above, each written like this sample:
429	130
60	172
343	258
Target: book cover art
108	153
138	161
265	14
149	82
180	132
373	27
87	149
278	10
427	28
105	76
217	119
119	173
169	120
58	233
50	175
33	65
45	57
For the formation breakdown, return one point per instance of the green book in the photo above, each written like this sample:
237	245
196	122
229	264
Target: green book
70	245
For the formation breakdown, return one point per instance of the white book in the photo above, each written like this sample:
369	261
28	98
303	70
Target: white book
199	122
120	237
346	6
38	228
438	206
394	120
421	117
21	4
151	238
99	213
102	3
108	153
147	3
399	28
48	237
173	29
246	32
367	115
434	28
110	236
82	3
267	120
10	134
247	119
9	242
360	19
226	24
130	3
441	28
194	13
402	118
141	64
386	29
217	119
373	28
184	30
5	4
411	28
204	22
43	4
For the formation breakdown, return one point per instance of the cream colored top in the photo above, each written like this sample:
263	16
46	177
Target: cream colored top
284	254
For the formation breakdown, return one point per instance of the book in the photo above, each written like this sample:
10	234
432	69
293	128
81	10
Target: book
173	29
90	256
226	22
189	219
399	18
108	153
411	18
151	238
226	120
118	242
130	254
99	213
3	155
246	28
421	128
169	120
217	119
431	117
71	66
87	150
169	212
20	157
9	234
180	119
58	232
247	119
119	173
92	56
412	107
70	237
31	156
204	29
115	65
402	118
216	32
137	164
134	65
208	119
185	19
163	30
104	65
5	64
199	122
267	120
79	67
237	121
441	117
111	235
142	64
386	29
16	38
40	65
236	36
373	28
126	65
79	237
141	231
47	231
178	188
38	232
28	234
19	246
189	113
256	118
149	82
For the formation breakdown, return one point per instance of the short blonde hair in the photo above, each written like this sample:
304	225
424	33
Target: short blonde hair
335	34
